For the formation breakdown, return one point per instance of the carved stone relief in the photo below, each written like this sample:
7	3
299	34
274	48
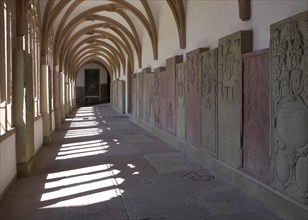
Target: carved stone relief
256	114
150	98
289	107
140	95
121	88
157	96
193	99
230	95
208	68
180	100
134	94
170	93
162	100
145	92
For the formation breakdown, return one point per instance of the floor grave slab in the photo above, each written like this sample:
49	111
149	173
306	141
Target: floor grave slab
171	162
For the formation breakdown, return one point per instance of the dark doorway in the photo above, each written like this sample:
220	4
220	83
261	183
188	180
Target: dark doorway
91	89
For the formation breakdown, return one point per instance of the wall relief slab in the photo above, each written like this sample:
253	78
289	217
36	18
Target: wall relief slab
193	98
170	93
256	114
159	115
230	51
208	67
289	106
180	99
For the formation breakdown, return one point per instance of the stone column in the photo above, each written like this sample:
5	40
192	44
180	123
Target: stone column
57	98
62	96
67	108
45	102
23	111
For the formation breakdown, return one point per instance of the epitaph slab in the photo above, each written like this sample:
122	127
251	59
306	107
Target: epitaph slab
256	114
162	100
208	68
289	106
121	97
157	96
140	95
149	78
180	100
230	53
170	93
145	92
134	94
193	99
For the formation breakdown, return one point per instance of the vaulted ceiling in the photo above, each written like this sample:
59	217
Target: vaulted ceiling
108	32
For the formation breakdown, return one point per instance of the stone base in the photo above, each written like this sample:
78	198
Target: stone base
24	169
48	140
58	127
274	200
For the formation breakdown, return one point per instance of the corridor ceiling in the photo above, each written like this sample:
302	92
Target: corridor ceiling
108	32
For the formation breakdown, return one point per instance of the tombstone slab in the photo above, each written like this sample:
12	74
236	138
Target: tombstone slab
149	81
140	95
289	106
170	93
256	114
145	92
134	95
230	51
158	117
208	67
193	99
180	100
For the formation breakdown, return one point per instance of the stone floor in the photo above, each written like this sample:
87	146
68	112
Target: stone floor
103	166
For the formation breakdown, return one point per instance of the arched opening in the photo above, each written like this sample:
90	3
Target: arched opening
92	85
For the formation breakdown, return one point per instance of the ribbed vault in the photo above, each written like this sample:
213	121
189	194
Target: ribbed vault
103	31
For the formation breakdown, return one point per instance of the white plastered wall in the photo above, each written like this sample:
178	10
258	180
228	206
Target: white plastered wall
209	20
7	162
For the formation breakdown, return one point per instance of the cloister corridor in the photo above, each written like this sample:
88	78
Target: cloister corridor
102	165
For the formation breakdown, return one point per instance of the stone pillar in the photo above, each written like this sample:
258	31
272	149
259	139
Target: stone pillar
62	96
289	112
23	111
57	98
67	106
45	108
